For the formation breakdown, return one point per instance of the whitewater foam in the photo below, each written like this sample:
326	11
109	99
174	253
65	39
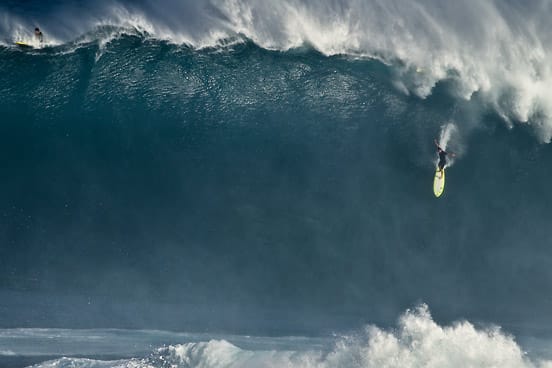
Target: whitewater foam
417	341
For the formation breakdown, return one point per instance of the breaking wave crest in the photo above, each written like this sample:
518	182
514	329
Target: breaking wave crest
417	341
496	50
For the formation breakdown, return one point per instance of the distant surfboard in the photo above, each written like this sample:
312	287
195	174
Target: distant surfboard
439	183
23	44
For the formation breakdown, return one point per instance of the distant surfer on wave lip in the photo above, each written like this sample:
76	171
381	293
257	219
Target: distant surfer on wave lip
38	34
442	157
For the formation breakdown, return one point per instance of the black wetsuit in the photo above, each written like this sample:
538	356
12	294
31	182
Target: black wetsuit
442	159
38	34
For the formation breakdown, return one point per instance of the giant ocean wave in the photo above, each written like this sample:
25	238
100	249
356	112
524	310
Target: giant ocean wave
240	167
495	49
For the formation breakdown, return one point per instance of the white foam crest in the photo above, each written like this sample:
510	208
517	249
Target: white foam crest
136	21
289	24
67	362
221	353
491	49
418	341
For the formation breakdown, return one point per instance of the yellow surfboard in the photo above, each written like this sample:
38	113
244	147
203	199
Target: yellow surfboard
23	44
439	182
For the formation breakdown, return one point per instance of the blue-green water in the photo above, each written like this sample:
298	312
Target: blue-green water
247	187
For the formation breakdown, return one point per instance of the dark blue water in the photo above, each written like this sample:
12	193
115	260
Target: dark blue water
148	184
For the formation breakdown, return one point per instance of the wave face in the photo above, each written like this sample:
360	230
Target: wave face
267	169
496	49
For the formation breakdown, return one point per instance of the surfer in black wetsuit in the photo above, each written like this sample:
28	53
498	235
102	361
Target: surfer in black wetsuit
442	157
38	34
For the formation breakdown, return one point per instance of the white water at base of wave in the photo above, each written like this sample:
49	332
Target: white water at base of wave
417	341
498	50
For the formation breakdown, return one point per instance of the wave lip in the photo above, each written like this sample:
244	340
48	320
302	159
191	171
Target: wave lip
495	51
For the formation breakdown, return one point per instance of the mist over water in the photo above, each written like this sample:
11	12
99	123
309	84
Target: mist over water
239	167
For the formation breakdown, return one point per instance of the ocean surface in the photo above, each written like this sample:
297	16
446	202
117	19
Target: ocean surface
243	183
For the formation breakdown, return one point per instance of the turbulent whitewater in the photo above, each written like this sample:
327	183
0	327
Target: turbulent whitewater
234	168
416	342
